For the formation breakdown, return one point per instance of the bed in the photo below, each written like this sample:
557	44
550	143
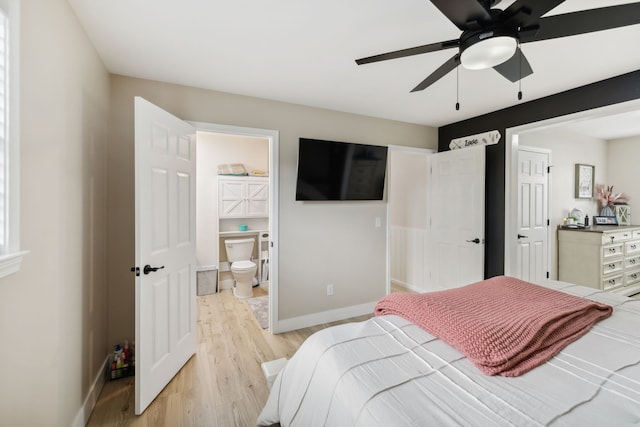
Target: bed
387	371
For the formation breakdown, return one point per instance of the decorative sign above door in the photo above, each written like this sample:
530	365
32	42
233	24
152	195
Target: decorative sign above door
486	138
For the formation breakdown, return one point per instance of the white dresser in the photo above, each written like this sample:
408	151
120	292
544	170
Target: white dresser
602	257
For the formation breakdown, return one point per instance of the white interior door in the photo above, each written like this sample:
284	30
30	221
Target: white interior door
532	260
165	239
456	225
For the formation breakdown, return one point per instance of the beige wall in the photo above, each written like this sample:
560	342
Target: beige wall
53	312
319	243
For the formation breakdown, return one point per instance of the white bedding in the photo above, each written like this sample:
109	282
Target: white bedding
388	372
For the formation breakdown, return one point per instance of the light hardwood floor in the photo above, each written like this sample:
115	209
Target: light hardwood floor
222	384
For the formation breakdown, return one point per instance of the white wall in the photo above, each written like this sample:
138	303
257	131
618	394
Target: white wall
623	171
568	148
214	149
53	316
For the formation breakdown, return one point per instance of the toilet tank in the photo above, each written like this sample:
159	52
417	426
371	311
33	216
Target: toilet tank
239	249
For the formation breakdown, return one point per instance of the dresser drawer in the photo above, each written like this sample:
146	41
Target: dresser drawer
612	282
631	277
618	236
611	251
612	266
631	262
636	234
631	248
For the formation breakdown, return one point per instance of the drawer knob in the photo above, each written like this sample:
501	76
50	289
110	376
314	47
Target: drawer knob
634	276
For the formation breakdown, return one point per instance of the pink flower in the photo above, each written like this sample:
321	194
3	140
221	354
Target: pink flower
606	197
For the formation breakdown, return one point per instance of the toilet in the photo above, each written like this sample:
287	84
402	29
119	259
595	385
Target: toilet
239	254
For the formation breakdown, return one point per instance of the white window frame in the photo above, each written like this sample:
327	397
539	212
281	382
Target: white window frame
11	254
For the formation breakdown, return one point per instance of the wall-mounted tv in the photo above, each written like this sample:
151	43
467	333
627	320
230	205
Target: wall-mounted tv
329	170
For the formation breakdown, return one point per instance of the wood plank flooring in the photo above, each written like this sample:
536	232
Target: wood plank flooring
222	384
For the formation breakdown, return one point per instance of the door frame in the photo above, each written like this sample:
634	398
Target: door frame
511	146
273	136
511	200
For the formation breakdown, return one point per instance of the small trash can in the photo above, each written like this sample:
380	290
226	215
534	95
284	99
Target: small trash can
206	279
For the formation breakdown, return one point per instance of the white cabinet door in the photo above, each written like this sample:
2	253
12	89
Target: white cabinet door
257	203
243	197
232	200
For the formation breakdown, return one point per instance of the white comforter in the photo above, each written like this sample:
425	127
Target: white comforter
388	372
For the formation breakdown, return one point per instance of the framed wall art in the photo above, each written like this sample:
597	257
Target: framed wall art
585	175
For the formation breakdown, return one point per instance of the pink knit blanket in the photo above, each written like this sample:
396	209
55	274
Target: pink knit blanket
503	325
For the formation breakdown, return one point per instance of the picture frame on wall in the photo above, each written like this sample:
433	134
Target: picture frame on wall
584	181
605	220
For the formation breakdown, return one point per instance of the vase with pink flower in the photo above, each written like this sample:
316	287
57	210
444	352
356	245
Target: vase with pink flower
608	199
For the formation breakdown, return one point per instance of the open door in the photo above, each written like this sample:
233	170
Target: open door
456	224
165	301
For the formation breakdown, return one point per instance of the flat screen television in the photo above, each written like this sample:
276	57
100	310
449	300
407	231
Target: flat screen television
329	170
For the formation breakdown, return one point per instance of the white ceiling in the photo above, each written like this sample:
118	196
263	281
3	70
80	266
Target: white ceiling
303	52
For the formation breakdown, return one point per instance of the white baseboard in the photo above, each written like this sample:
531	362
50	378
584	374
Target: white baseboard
408	286
92	396
313	319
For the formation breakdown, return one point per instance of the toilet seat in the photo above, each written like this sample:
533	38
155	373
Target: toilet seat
243	266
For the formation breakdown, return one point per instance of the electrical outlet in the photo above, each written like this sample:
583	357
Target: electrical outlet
330	289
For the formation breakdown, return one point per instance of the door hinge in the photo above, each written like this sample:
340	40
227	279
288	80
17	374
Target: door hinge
135	270
548	222
547	274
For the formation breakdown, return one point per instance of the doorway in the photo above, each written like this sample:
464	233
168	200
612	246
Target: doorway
407	217
208	244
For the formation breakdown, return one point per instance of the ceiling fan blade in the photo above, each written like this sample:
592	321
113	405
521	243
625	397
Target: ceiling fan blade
461	12
523	13
585	21
443	70
433	47
515	68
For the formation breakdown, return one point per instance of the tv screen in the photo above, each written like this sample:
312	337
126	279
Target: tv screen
329	170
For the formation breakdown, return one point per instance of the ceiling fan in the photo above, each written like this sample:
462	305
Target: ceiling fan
491	37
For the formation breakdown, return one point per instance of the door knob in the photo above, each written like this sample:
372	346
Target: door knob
148	269
521	236
476	241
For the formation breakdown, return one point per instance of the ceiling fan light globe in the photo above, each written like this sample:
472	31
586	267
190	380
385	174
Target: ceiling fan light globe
488	53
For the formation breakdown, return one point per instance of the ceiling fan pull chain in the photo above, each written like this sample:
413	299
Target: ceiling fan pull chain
458	88
520	79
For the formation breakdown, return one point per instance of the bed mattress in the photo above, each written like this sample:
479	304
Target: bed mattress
387	371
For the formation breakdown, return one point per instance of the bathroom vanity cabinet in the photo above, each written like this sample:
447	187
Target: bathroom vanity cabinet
243	197
601	257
